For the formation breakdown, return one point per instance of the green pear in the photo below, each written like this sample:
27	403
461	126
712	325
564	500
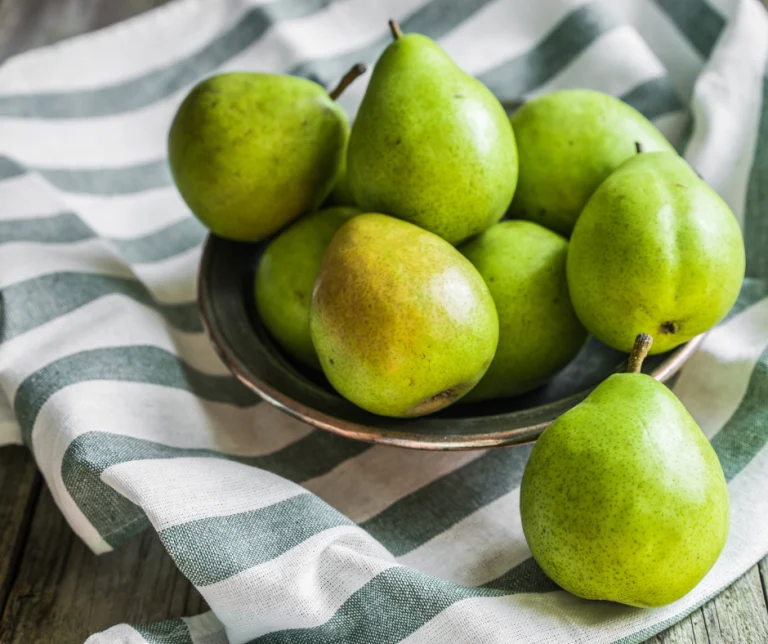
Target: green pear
286	274
431	144
523	265
623	498
655	251
569	141
250	152
341	193
402	323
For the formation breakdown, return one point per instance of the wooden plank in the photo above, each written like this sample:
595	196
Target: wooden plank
19	490
739	615
62	592
690	630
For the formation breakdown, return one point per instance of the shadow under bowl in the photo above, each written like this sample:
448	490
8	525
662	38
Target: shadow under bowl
225	293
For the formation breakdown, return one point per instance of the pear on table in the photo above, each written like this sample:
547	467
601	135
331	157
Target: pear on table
286	274
623	498
402	323
431	144
568	142
250	152
657	251
523	265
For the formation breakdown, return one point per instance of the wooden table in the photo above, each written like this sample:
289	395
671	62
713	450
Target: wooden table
52	589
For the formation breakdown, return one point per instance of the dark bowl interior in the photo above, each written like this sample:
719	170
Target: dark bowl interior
227	305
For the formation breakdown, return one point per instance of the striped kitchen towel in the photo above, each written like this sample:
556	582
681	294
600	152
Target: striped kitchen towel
291	534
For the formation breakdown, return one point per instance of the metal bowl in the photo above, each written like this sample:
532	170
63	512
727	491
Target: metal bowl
225	290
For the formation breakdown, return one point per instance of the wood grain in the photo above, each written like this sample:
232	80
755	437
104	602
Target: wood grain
19	490
63	593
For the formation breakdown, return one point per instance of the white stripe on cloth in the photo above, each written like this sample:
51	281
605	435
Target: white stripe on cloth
368	483
478	44
170	281
127	216
727	106
120	634
562	617
713	383
28	196
218	488
22	261
681	60
123	51
179	419
624	59
479	548
110	321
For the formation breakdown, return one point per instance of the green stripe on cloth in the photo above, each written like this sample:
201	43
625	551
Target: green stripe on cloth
146	364
425	513
756	210
165	243
399	601
67	228
752	291
567	39
116	518
213	549
9	168
56	294
172	631
698	21
746	432
63	228
654	98
110	181
161	83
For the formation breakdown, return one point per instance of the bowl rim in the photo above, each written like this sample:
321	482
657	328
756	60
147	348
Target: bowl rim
398	437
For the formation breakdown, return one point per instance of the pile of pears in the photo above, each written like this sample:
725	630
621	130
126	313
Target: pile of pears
440	250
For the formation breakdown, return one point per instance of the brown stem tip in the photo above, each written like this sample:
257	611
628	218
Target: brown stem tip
395	29
346	81
642	346
639	147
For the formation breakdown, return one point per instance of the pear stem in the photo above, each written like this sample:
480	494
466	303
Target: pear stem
643	344
395	29
639	147
347	79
